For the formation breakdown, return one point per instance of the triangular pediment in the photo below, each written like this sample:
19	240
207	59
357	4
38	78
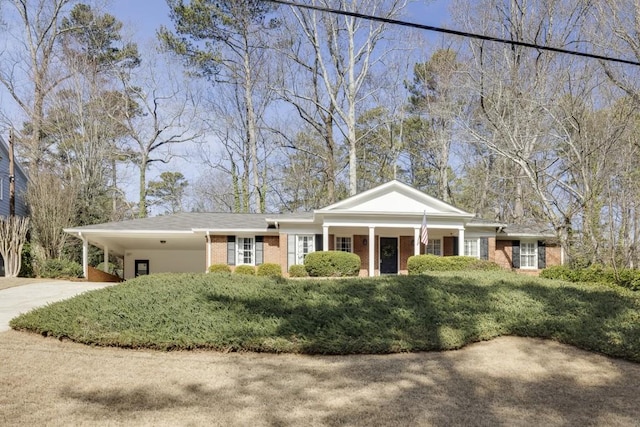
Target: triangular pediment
394	197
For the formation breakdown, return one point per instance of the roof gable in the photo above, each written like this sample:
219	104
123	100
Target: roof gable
394	197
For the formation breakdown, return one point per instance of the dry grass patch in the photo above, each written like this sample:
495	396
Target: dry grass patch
12	282
502	382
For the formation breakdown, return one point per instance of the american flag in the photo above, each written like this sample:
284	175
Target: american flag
424	233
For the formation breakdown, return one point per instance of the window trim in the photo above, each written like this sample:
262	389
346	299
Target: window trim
439	240
240	250
476	241
299	247
523	244
345	236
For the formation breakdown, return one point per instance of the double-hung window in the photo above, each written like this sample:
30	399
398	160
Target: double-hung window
433	247
305	244
528	255
246	250
343	244
471	247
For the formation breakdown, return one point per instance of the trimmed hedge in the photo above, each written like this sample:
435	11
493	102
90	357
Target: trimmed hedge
61	268
332	264
626	277
269	270
298	271
219	268
248	270
420	264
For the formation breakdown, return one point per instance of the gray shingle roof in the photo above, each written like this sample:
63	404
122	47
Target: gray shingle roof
533	230
188	221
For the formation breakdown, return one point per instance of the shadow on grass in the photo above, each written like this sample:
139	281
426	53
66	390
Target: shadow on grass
400	314
408	389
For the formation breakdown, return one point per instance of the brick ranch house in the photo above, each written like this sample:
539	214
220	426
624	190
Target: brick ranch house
381	225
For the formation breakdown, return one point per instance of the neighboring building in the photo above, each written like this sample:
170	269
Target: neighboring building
381	225
20	188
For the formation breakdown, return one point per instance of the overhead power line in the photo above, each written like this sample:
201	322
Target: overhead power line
454	32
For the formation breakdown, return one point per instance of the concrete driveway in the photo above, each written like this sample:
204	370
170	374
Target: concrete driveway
20	299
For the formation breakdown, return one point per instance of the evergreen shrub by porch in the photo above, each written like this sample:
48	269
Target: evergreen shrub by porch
61	268
332	264
625	277
420	264
298	271
269	270
219	268
248	270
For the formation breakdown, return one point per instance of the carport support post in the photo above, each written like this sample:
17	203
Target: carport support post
105	266
372	254
85	257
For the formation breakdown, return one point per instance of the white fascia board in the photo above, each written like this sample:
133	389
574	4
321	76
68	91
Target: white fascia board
289	220
393	214
126	232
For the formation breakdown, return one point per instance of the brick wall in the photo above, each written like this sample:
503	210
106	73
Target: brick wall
553	255
218	249
406	250
503	253
492	249
272	250
363	252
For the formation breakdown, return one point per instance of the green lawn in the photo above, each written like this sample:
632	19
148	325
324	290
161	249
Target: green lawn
343	316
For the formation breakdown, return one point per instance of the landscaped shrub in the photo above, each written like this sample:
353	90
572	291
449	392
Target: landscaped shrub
219	268
298	271
26	265
248	270
61	268
332	264
269	270
559	272
625	277
420	264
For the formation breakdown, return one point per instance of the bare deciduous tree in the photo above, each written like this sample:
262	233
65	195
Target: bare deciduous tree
13	236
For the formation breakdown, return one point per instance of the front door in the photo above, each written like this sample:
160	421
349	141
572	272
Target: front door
388	255
142	267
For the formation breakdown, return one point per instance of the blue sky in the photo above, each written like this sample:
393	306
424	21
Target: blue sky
144	18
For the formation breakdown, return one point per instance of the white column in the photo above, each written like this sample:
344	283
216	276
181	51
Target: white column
416	241
325	237
208	252
105	264
372	251
461	241
85	258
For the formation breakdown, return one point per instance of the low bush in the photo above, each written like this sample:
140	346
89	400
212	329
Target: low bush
247	270
61	268
420	264
112	268
269	270
332	264
219	268
626	277
298	271
26	266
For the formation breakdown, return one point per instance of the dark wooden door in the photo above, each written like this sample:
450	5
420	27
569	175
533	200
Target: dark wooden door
388	255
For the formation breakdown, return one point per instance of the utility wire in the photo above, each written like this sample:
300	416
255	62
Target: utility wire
453	32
